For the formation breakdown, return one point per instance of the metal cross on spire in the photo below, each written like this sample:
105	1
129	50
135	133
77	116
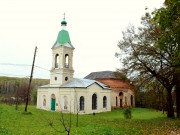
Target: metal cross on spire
64	16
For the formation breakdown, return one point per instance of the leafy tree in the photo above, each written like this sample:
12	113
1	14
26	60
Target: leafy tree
168	19
140	54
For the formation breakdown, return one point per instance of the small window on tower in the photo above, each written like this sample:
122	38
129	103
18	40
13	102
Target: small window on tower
55	78
66	78
56	60
66	61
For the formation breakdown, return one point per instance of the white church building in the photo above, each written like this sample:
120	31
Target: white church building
68	94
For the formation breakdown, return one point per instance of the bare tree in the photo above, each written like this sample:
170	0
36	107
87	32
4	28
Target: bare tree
66	123
77	108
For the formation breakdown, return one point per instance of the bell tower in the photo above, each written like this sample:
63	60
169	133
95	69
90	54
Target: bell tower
62	58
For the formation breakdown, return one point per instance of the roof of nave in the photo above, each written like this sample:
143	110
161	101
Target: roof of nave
115	83
105	74
101	74
82	83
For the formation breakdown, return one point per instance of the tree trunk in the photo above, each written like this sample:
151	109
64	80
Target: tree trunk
177	83
170	110
178	101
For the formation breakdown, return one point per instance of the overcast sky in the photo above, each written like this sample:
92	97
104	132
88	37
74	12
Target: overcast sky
95	27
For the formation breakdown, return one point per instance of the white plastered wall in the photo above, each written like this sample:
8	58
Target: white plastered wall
73	95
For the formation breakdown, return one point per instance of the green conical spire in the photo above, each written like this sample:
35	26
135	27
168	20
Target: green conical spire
63	37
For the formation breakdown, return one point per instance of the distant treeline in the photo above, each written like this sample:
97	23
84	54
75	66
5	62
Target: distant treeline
11	87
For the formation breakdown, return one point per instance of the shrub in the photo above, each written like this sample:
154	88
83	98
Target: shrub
127	113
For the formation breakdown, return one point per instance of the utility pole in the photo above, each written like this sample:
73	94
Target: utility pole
29	86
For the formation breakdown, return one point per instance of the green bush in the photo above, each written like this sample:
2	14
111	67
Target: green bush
127	113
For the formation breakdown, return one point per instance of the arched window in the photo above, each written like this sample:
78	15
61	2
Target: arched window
132	100
81	103
104	102
94	102
66	61
66	78
56	60
65	102
121	99
44	100
116	101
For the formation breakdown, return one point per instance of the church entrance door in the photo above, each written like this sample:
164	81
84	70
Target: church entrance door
53	101
120	102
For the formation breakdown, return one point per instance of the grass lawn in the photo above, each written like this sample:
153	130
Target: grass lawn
40	122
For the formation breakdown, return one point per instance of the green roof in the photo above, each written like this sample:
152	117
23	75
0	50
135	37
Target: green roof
62	39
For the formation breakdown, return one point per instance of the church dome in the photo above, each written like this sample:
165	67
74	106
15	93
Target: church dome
63	22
